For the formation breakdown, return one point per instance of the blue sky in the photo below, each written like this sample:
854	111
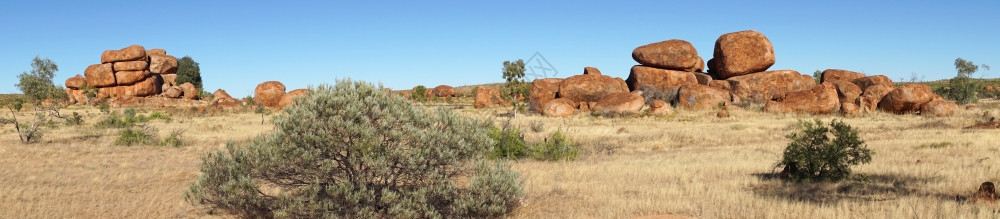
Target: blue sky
406	43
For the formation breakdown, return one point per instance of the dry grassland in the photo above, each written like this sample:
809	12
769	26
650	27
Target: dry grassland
689	164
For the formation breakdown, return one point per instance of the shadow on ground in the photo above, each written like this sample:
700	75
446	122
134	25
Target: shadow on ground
858	188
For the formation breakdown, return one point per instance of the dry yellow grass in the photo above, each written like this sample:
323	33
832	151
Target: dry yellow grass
688	164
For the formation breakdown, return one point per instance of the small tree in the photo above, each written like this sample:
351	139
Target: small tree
814	156
350	150
513	73
818	76
188	71
419	93
962	88
37	84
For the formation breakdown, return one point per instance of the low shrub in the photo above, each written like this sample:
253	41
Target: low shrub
75	119
350	150
508	144
135	136
555	148
174	139
814	156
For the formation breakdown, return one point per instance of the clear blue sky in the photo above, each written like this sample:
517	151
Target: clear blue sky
406	43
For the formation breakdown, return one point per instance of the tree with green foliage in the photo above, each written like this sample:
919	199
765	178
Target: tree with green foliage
188	71
963	88
814	156
818	76
513	73
351	150
419	94
37	85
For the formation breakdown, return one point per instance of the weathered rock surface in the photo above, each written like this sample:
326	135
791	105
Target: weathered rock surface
590	87
289	98
869	81
721	84
147	87
703	79
170	79
661	79
541	92
591	71
490	96
906	98
76	82
131	66
221	96
938	108
742	53
846	91
770	85
162	64
559	107
99	75
619	103
269	93
987	194
131	53
821	99
659	108
849	109
190	91
838	74
869	99
173	92
157	51
444	91
696	96
130	77
670	54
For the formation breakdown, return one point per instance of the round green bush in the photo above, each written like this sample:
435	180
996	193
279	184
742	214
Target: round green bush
350	150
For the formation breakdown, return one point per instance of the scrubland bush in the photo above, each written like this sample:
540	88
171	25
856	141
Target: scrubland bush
418	94
814	156
350	150
510	144
555	148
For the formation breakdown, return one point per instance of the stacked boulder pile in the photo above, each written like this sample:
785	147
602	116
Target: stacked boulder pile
672	73
130	72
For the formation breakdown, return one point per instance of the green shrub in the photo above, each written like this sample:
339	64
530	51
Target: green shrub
129	118
418	93
350	150
508	144
555	148
174	139
814	156
537	126
75	119
963	88
135	136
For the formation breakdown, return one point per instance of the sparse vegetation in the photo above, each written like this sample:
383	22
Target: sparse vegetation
818	76
555	148
189	71
963	88
515	86
350	150
75	119
418	94
129	136
37	85
814	156
508	143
